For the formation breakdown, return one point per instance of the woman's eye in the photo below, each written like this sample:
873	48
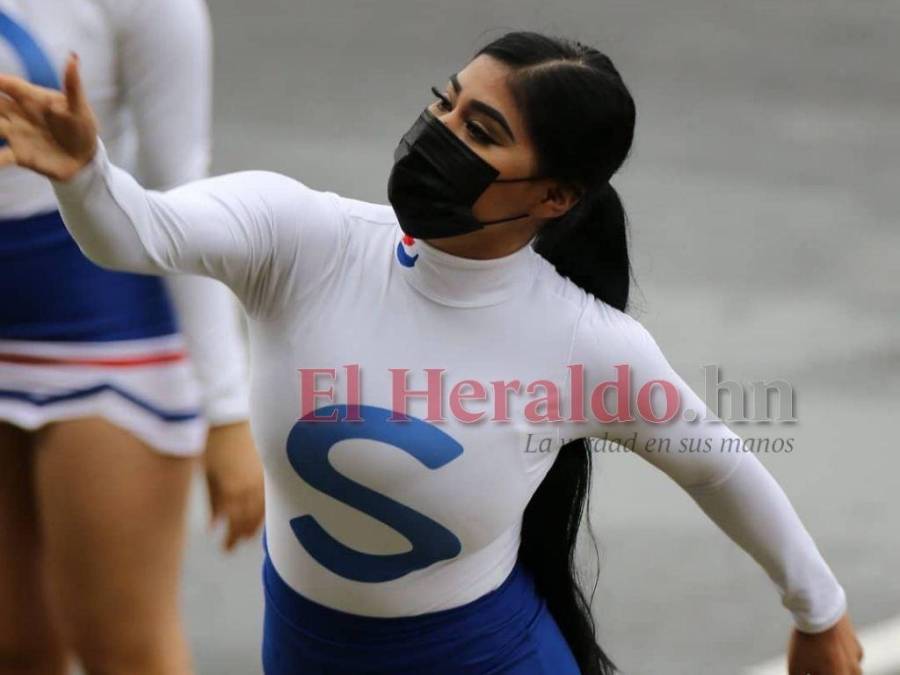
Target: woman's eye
479	134
443	101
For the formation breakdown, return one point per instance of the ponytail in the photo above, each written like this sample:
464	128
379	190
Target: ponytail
580	117
549	532
589	246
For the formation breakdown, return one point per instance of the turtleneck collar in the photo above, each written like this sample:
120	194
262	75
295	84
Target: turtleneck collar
463	282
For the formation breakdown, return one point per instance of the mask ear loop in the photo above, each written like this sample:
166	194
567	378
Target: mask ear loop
511	180
504	220
517	180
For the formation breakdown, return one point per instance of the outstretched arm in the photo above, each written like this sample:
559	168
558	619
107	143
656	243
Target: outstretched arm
731	486
262	234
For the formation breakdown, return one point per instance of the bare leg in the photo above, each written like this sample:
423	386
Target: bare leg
113	513
29	641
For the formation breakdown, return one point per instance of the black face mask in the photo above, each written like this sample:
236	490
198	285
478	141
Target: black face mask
436	179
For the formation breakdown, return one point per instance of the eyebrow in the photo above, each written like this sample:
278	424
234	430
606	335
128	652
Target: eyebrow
482	107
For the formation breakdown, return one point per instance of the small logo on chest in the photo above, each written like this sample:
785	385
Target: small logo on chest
403	257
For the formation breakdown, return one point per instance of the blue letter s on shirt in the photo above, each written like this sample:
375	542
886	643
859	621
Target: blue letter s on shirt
308	446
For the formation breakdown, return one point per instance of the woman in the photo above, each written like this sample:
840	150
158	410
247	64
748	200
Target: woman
101	416
398	538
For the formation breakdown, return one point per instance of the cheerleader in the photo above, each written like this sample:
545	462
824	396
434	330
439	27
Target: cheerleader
404	536
112	384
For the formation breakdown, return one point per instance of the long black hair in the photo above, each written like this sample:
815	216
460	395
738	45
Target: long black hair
580	117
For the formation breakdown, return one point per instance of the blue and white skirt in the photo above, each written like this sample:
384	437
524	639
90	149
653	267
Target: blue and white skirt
77	340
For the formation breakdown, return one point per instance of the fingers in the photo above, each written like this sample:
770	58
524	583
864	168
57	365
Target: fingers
72	85
836	666
27	102
25	93
245	517
11	128
216	503
236	525
15	87
11	112
856	661
8	107
243	513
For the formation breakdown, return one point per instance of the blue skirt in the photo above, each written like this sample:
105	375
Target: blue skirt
509	630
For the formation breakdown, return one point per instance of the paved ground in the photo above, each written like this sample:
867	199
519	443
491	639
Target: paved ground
763	198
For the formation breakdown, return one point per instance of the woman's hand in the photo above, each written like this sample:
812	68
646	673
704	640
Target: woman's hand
235	480
836	651
53	133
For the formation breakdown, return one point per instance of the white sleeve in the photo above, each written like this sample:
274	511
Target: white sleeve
732	487
166	85
164	71
210	321
266	236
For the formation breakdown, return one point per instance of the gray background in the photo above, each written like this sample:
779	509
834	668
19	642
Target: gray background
762	192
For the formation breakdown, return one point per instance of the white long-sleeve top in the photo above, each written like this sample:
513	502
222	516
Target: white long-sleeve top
146	68
386	519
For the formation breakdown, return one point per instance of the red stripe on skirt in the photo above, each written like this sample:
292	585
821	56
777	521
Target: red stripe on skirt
115	362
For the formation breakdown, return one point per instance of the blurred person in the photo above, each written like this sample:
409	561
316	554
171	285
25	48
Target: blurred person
105	408
398	539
